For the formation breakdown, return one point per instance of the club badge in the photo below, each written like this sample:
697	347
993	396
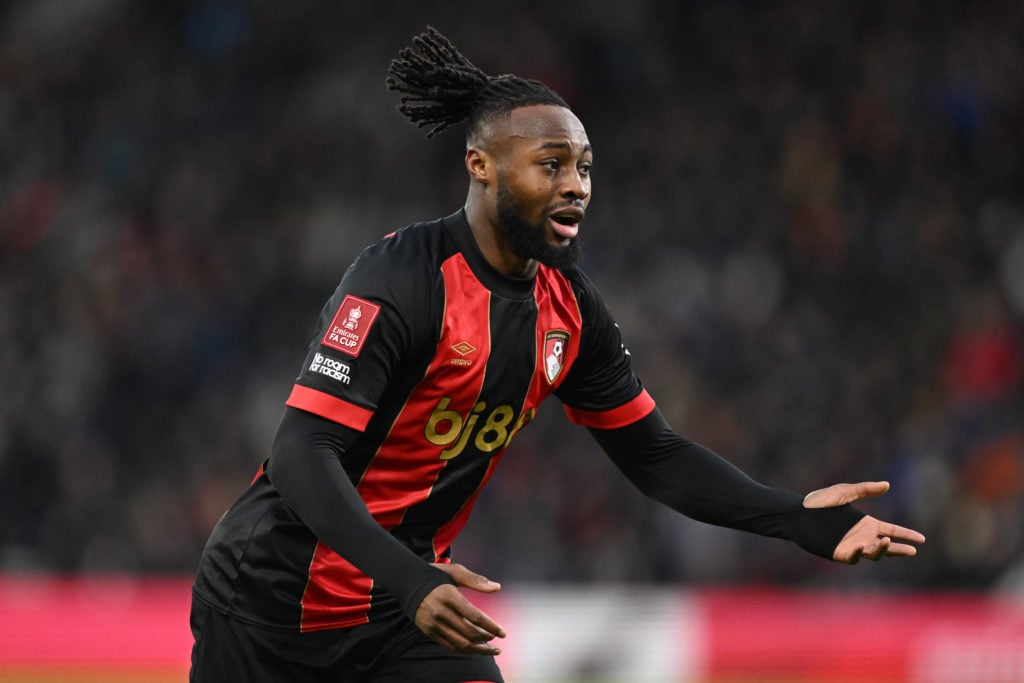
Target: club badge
555	344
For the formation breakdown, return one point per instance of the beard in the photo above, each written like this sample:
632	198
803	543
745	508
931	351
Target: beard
529	240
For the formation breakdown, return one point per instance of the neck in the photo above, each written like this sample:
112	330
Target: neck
483	223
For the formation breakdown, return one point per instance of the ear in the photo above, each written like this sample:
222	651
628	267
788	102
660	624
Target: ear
479	165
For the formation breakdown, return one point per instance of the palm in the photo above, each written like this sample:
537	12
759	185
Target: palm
869	538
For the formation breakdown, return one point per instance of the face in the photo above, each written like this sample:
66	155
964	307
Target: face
543	165
533	240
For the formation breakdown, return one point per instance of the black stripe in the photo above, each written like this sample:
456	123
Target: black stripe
510	368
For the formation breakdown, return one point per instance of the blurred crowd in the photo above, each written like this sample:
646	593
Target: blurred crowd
808	219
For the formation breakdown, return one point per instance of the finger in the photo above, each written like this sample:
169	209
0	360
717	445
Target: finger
473	648
476	618
901	550
454	641
853	557
900	532
877	551
469	621
466	637
446	605
473	645
443	639
482	649
865	489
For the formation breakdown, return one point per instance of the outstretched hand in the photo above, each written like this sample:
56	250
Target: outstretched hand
869	538
453	621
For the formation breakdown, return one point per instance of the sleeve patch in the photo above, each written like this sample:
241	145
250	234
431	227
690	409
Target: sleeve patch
351	324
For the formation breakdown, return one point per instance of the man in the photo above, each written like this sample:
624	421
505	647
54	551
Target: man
438	346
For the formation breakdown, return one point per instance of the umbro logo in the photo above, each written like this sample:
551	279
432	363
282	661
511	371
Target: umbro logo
463	348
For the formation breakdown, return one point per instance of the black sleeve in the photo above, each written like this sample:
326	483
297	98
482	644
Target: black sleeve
700	484
306	470
602	377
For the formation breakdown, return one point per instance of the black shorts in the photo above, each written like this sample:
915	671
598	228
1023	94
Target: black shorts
388	651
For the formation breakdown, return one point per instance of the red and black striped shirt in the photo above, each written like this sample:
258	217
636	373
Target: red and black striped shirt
438	360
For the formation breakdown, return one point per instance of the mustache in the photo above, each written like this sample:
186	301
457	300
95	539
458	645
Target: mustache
575	208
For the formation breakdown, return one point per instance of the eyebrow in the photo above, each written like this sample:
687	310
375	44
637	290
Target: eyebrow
563	145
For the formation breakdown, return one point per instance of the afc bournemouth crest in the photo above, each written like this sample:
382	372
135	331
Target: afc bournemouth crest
556	343
347	331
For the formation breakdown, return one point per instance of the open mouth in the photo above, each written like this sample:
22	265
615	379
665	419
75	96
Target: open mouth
566	222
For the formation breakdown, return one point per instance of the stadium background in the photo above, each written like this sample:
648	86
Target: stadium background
808	219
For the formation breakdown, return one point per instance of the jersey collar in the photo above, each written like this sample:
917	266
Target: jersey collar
503	285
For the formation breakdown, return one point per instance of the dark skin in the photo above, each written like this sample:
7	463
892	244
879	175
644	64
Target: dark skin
540	155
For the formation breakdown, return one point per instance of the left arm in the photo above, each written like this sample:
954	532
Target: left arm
698	483
602	393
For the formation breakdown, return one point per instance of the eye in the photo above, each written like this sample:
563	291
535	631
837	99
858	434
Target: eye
550	164
584	168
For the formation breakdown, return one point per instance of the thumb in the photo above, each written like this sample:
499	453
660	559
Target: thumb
868	489
465	578
840	494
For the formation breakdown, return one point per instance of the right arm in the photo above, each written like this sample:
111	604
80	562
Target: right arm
305	468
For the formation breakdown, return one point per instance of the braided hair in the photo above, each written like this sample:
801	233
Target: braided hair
441	88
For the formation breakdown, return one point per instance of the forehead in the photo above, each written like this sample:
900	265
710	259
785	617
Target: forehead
534	126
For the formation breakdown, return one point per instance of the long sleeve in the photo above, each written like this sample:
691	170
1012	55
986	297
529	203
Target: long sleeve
306	470
700	484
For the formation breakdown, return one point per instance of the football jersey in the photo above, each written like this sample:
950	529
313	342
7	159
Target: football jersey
439	360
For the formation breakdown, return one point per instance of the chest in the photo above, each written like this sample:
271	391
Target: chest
496	361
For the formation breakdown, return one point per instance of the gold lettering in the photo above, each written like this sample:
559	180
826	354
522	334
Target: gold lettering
523	420
441	415
497	424
463	438
447	428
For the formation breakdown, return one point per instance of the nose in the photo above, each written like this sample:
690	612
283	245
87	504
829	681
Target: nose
576	186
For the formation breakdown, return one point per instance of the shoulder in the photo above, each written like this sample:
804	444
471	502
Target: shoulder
402	263
397	277
588	296
579	279
414	246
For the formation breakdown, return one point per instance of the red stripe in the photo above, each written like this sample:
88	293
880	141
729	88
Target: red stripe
404	470
626	414
330	407
467	317
259	473
557	310
337	594
395	482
